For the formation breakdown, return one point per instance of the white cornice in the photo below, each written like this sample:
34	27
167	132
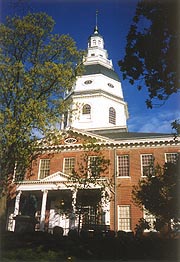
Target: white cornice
120	144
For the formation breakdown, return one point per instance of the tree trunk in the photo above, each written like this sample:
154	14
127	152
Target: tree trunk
3	203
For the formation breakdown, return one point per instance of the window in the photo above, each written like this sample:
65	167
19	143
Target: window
89	215
44	169
123	165
88	82
86	109
110	85
70	140
93	166
171	157
146	164
150	219
69	165
124	219
112	116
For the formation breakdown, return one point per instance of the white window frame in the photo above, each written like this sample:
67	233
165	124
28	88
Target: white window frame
124	220
150	219
89	165
171	153
87	113
44	170
123	167
142	166
87	110
94	42
112	115
64	163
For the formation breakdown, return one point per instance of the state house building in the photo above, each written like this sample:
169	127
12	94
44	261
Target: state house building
102	118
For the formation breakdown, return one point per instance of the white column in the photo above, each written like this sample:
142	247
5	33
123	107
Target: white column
17	202
107	213
16	208
62	122
106	209
43	209
72	221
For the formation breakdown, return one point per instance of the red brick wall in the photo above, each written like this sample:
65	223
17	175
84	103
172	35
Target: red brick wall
123	185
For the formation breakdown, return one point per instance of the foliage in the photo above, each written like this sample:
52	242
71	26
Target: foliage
28	205
91	168
90	182
46	247
151	57
30	254
36	68
158	193
176	126
141	226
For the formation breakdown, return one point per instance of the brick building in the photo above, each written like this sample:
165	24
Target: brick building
101	116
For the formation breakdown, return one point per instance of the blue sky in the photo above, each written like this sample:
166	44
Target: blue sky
77	18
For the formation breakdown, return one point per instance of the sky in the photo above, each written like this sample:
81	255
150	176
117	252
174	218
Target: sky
78	18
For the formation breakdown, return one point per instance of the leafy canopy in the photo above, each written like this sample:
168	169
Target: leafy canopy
36	68
151	57
159	193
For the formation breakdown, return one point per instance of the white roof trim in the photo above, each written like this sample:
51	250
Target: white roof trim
58	177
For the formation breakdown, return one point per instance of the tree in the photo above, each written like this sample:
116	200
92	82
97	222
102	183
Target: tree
159	194
151	57
36	68
176	126
90	182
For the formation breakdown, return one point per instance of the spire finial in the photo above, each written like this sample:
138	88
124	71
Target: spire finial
96	27
96	18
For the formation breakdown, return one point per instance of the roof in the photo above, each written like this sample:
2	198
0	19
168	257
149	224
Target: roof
118	134
73	139
99	69
95	33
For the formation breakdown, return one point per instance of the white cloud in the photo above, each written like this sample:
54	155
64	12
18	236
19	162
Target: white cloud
153	122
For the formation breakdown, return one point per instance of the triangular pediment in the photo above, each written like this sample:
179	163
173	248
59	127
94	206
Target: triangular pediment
84	135
72	137
58	177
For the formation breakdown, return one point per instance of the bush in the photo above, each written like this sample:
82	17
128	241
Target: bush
30	254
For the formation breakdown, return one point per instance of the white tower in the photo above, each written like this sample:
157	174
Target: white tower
97	95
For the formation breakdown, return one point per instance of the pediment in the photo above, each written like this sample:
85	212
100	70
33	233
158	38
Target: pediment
72	137
58	177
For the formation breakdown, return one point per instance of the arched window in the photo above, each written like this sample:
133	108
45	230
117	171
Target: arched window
94	42
86	109
112	116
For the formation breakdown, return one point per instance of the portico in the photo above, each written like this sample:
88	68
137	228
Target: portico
59	203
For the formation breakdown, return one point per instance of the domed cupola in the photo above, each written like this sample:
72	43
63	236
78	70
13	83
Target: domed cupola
97	94
96	52
96	40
